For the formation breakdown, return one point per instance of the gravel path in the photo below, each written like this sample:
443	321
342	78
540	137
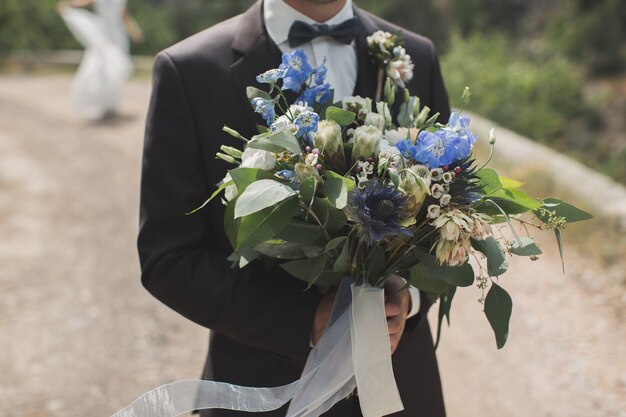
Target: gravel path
81	337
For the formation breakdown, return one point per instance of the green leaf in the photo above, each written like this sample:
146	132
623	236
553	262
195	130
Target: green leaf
527	248
331	218
510	183
350	184
498	308
300	232
488	179
215	193
231	225
427	282
496	262
341	263
247	256
445	304
335	243
341	116
429	270
375	264
307	270
261	194
308	188
336	192
265	224
562	209
276	142
559	242
517	197
288	250
253	92
246	176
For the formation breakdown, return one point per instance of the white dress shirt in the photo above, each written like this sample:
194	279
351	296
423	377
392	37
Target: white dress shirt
341	59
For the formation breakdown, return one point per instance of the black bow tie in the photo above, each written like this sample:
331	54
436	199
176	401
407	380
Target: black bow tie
301	32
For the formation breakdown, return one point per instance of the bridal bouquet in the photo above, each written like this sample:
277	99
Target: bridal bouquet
346	193
366	188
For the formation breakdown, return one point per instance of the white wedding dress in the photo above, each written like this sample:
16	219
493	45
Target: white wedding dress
106	63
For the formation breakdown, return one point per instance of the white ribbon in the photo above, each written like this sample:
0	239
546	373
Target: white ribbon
353	353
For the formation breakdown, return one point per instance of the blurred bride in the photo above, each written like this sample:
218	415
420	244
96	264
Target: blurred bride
106	64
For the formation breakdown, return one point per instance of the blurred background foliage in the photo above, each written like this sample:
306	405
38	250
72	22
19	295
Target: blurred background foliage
553	71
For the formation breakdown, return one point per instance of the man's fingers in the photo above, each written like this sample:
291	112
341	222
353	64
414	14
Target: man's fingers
395	325
392	309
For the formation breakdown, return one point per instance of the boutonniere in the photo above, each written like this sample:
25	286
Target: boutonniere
388	54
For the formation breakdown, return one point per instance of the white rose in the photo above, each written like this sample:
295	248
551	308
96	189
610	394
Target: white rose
284	124
375	119
257	158
366	142
394	136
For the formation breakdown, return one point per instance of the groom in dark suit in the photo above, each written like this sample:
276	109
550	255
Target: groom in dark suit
262	321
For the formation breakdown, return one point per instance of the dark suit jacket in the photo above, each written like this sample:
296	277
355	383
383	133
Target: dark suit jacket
260	318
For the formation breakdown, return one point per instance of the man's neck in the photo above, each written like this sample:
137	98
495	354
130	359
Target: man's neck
320	11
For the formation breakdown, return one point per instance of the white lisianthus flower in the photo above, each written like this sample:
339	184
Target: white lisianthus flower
230	191
354	104
328	137
257	158
375	119
366	142
394	136
283	124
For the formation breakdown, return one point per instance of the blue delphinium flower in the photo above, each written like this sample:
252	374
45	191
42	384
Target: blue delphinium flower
298	70
376	211
307	123
459	125
320	73
436	149
286	174
319	94
271	76
265	108
407	148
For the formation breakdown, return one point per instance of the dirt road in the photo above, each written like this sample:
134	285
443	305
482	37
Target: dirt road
80	337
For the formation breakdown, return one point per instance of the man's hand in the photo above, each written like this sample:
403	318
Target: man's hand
397	308
322	315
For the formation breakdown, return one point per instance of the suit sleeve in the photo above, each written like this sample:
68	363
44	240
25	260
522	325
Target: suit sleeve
438	93
181	265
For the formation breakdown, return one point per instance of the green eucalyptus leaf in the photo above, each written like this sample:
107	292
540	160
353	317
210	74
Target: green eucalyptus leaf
288	250
496	261
341	116
253	92
265	224
308	188
562	209
276	142
262	194
299	231
231	225
458	276
488	180
527	248
246	176
498	308
427	282
336	192
215	193
350	184
341	263
246	256
445	305
331	218
307	270
335	244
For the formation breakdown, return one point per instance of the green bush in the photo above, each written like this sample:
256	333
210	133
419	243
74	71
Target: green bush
533	96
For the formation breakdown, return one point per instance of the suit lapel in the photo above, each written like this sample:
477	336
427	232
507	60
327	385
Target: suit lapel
255	53
366	77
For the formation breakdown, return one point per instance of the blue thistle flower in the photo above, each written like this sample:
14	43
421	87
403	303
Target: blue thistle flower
376	211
